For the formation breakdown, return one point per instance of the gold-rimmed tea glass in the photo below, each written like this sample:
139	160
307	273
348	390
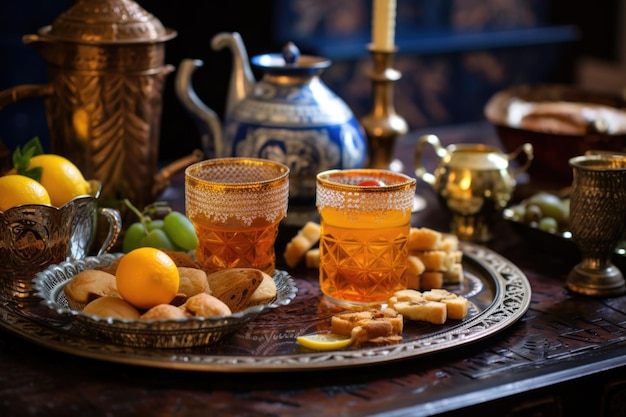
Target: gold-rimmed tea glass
364	234
236	205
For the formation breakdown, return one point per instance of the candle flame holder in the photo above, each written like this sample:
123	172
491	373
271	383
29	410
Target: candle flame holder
383	126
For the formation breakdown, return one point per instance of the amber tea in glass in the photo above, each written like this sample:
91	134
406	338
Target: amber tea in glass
236	205
365	220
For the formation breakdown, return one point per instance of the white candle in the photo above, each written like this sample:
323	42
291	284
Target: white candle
383	24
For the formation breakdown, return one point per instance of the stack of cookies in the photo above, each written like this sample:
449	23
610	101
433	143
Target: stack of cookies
434	259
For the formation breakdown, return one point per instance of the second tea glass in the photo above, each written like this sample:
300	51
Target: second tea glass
236	205
364	233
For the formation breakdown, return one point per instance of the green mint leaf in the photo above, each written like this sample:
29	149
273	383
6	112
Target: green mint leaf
21	158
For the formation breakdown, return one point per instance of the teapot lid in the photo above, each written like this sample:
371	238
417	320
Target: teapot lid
107	21
290	62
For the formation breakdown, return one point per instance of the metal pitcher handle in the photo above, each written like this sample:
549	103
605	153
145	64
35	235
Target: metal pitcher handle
440	151
115	228
21	92
528	150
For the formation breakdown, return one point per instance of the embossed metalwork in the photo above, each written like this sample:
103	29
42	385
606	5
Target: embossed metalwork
499	291
106	70
474	181
597	222
383	126
289	115
194	331
35	236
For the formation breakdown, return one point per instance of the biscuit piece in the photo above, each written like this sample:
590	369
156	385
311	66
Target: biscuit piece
114	307
265	292
88	285
433	260
164	312
430	311
430	280
412	281
304	240
421	239
205	305
449	242
192	281
345	323
454	275
405	295
312	258
456	305
414	268
235	286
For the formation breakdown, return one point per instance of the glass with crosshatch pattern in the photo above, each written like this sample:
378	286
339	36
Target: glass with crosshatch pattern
236	205
364	234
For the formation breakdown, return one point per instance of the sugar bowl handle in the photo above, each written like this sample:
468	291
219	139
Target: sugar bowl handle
440	151
528	150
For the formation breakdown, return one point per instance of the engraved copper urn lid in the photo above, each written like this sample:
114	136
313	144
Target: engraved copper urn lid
107	21
108	35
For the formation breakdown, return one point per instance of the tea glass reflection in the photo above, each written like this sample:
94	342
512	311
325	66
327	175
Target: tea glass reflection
236	205
35	236
364	234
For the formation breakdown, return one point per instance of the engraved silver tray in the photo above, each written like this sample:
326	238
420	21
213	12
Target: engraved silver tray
498	290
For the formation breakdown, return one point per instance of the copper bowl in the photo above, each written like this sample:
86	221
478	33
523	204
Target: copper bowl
560	121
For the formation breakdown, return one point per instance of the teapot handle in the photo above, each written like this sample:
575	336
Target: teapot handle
22	92
440	151
207	120
527	149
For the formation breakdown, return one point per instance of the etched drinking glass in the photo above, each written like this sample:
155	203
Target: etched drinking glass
365	221
236	205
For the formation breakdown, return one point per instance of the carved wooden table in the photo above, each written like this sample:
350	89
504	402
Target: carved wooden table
565	356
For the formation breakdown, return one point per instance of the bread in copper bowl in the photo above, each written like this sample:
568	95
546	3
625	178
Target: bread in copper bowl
560	121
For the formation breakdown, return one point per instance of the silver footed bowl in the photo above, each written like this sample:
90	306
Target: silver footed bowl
180	333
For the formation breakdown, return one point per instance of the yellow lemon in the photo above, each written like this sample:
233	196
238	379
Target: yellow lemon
324	341
60	177
147	277
16	190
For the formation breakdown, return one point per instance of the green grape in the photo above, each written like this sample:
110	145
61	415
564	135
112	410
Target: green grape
154	224
158	239
533	214
133	236
548	224
551	206
519	212
180	230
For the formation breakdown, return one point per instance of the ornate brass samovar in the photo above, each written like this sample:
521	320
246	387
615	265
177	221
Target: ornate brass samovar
104	96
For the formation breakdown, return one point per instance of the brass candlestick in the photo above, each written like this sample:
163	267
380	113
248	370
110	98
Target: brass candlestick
383	126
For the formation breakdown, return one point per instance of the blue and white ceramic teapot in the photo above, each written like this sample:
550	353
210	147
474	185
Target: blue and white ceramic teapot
289	116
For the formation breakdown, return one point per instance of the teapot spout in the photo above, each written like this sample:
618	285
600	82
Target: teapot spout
241	79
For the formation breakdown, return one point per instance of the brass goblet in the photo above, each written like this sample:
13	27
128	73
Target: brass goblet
597	222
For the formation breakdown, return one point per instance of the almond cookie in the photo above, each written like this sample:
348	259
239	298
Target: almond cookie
235	286
205	305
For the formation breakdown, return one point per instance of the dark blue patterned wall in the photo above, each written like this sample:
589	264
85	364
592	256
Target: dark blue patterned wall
453	54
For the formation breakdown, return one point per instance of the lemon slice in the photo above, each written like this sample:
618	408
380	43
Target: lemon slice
324	341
